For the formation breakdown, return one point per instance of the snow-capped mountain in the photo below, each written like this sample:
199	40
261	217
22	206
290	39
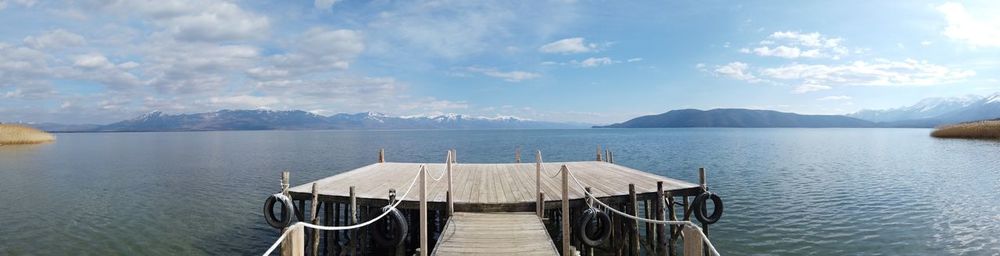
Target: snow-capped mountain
936	111
926	108
301	120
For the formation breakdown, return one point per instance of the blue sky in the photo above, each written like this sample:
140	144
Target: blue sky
584	61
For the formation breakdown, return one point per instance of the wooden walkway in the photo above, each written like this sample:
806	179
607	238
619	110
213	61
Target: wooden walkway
494	234
489	187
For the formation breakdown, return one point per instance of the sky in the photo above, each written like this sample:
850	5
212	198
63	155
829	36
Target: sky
569	61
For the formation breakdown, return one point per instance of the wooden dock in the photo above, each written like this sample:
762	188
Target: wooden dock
490	187
494	209
494	234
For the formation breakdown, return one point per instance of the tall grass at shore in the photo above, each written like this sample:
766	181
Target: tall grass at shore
989	129
20	134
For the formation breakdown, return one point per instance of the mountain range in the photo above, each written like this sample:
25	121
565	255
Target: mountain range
301	120
927	113
734	117
933	112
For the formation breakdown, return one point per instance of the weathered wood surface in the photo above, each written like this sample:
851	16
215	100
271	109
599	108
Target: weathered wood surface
494	234
490	184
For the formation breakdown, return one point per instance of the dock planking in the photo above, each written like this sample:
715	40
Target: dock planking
494	234
487	186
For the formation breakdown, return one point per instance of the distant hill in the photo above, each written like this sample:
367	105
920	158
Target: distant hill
738	118
301	120
936	111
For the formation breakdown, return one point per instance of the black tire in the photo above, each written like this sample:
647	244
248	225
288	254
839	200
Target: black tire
594	227
701	208
391	230
287	209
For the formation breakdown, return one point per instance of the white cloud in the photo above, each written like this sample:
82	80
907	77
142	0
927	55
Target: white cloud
568	45
25	3
198	20
633	60
737	70
799	45
324	4
964	27
835	98
926	43
453	29
188	68
510	76
96	67
316	50
804	88
594	62
91	61
877	73
58	38
813	39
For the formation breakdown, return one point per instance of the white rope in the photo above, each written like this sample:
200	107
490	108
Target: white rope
334	228
665	222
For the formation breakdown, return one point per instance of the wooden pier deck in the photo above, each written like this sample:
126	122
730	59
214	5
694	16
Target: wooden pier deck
494	234
489	187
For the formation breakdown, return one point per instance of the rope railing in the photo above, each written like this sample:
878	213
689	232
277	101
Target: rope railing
302	224
682	223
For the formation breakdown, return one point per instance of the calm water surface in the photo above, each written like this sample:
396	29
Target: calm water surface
787	191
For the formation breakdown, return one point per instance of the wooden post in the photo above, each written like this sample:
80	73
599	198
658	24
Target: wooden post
451	200
315	219
354	220
599	153
703	179
297	241
672	216
648	209
517	155
381	155
587	249
633	241
538	184
607	153
454	156
286	245
423	211
565	211
661	238
692	242
541	211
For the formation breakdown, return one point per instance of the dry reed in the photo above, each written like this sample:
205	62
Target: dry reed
20	134
989	129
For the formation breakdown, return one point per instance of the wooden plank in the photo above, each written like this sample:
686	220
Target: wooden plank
494	234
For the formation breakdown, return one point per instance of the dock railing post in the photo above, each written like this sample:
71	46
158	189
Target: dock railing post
451	200
315	219
354	221
565	211
423	211
286	245
539	207
634	224
661	238
703	180
517	155
381	155
599	153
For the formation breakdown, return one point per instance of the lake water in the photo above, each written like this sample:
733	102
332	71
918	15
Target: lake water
787	191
